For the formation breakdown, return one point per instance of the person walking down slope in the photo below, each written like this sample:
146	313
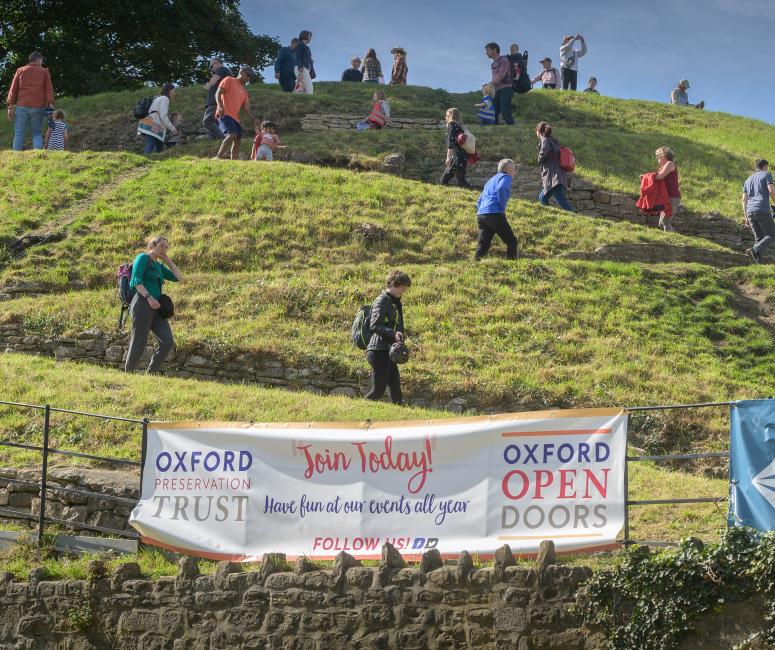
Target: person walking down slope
284	66
209	121
502	80
668	173
553	177
569	60
757	192
679	96
353	73
30	94
155	125
302	60
372	68
387	323
232	97
149	271
491	212
400	70
457	158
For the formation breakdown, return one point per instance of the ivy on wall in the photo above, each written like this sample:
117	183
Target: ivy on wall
651	601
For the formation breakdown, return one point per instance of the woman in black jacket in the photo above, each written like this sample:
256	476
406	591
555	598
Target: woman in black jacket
457	158
387	323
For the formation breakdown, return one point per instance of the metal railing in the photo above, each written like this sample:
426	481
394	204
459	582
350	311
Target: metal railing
626	539
46	450
43	487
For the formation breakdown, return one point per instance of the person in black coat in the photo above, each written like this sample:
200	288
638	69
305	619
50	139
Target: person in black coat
457	158
387	323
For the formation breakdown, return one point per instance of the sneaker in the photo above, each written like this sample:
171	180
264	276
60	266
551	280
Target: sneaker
753	255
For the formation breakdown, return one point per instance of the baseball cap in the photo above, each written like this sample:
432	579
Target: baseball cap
546	59
246	68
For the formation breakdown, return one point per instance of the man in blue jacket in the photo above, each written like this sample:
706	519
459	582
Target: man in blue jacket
283	66
491	212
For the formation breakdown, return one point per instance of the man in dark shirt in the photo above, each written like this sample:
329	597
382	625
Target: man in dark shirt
757	192
354	73
283	66
219	73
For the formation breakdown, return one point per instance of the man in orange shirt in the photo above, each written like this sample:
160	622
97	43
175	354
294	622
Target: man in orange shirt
231	97
30	94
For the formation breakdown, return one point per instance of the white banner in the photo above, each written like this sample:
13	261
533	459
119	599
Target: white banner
231	491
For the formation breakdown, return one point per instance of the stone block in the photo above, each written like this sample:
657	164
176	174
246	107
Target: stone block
510	619
138	620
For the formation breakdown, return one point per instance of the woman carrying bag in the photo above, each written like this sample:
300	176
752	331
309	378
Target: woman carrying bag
155	125
150	308
457	156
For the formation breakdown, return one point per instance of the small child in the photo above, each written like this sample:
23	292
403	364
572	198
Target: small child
56	134
379	115
266	141
486	106
177	138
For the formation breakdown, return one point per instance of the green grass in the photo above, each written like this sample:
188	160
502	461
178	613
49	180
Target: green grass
533	334
36	185
297	216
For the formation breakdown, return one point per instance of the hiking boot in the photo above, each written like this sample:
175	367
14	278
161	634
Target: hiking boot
755	258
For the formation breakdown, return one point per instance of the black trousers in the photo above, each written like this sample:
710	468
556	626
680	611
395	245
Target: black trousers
491	225
287	82
456	171
569	79
211	124
384	374
502	103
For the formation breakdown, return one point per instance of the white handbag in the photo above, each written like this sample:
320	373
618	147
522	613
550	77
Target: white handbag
469	146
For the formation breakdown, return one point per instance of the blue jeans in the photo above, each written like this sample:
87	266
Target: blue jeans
31	118
558	194
153	144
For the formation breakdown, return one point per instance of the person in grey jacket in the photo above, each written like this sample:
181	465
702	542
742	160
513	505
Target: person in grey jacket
387	323
569	60
553	177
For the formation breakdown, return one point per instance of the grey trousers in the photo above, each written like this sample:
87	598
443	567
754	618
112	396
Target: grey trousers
763	230
211	124
144	321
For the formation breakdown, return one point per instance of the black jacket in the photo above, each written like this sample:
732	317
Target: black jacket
387	318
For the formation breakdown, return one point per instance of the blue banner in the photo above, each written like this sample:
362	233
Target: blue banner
752	465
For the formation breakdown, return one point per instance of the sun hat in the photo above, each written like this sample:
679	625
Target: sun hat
399	50
684	82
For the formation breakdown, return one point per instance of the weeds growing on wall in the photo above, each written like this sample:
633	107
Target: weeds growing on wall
651	601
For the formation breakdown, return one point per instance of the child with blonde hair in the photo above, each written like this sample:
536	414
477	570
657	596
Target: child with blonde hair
487	105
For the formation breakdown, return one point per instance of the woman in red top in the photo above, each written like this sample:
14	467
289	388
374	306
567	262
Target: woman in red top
668	172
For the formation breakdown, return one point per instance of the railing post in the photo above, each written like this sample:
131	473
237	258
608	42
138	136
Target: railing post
44	474
626	539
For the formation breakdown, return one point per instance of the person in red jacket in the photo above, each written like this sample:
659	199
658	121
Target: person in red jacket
668	173
30	94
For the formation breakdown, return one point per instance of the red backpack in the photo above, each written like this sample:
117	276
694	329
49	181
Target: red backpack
567	159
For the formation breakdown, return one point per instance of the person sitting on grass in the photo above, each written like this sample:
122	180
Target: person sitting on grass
491	212
56	134
266	142
679	96
486	107
379	115
231	97
757	192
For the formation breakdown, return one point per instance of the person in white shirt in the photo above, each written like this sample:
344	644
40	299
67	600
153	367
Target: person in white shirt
569	60
156	124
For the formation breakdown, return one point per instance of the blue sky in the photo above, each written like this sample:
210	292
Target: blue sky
636	49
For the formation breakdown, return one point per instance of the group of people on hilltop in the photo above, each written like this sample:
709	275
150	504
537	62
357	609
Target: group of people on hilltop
294	68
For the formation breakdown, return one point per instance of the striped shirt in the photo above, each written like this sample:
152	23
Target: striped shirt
487	112
56	138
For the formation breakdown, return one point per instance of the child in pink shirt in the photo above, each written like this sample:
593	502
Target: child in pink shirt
266	142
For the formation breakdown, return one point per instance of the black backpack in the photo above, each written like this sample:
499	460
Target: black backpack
522	80
142	107
125	293
361	332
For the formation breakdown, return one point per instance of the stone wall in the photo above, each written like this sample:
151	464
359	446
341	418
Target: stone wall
19	491
314	122
430	605
109	349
